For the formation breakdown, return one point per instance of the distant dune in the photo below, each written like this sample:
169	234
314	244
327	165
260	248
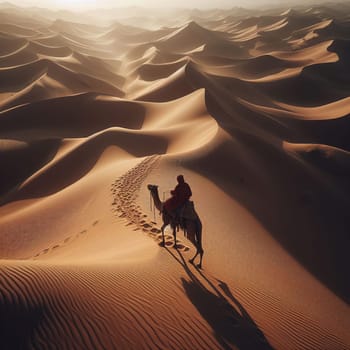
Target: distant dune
251	106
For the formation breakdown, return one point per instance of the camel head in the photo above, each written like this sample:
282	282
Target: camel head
152	188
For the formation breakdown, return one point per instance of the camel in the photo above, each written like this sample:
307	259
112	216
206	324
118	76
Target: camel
192	223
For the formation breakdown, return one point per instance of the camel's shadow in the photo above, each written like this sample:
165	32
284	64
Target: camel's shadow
232	325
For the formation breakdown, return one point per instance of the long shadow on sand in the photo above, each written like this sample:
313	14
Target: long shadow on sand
18	323
231	324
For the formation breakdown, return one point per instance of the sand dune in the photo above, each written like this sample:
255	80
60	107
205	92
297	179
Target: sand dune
133	35
159	71
53	51
17	77
161	56
169	88
189	37
45	79
11	44
95	67
80	30
17	58
326	157
19	31
68	114
252	106
62	40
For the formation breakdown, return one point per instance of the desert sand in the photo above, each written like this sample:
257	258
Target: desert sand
251	106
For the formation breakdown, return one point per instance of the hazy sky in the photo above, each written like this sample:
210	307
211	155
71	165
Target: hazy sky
84	4
88	4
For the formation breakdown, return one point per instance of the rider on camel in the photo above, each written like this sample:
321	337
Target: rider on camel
180	195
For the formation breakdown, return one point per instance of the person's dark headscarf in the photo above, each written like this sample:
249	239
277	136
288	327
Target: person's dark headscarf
180	179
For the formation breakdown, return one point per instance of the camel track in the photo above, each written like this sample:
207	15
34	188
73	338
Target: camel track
56	245
125	191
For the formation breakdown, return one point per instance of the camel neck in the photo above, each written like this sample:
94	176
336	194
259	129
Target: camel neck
156	199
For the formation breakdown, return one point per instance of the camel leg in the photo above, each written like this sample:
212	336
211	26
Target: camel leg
162	229
174	234
192	260
201	253
198	244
